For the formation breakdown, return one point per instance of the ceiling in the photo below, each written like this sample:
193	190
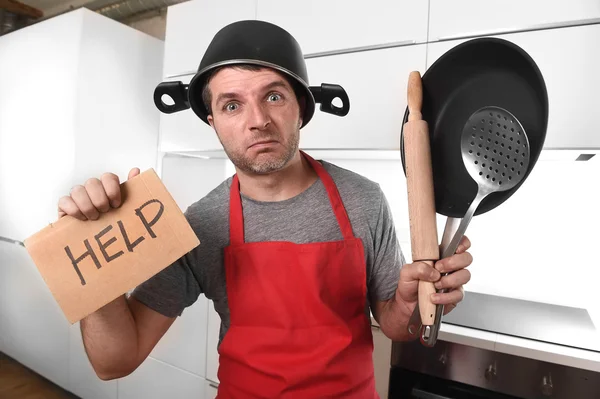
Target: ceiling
121	10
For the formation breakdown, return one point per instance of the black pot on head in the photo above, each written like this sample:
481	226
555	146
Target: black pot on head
257	43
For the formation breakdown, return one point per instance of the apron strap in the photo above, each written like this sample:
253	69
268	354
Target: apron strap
236	217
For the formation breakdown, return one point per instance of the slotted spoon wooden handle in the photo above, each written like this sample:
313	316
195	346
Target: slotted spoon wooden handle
421	200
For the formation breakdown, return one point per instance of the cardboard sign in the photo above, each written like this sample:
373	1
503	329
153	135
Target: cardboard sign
87	264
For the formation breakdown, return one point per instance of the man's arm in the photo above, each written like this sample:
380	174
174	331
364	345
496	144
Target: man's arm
394	314
394	285
120	336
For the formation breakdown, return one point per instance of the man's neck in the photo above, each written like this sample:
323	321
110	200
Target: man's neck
281	185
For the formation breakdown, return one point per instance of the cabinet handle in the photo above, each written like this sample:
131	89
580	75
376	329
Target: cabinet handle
544	26
10	240
214	385
359	49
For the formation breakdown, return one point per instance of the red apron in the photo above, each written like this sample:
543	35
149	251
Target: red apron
298	322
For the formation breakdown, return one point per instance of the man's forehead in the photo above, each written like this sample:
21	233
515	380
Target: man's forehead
233	76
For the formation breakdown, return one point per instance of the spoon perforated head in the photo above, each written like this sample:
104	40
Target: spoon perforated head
495	149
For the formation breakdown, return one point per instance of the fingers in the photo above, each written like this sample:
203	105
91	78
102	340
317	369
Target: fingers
449	298
133	173
97	195
84	203
66	206
418	271
112	188
454	280
454	262
464	245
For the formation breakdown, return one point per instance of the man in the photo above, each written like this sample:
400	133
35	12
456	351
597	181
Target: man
294	252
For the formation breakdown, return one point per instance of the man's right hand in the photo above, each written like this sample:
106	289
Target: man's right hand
96	196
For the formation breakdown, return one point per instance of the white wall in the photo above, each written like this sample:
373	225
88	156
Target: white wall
535	245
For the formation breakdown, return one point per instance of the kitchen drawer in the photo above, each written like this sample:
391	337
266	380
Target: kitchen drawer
569	60
185	131
462	18
192	25
375	82
333	25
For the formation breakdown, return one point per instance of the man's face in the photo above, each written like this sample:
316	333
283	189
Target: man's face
257	118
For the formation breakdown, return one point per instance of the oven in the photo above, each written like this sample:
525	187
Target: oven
454	371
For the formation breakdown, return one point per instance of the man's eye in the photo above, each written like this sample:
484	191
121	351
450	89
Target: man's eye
231	107
274	97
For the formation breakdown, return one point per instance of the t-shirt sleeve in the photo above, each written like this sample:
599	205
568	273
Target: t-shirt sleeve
387	255
172	289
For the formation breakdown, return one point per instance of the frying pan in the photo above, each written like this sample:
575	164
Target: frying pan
478	73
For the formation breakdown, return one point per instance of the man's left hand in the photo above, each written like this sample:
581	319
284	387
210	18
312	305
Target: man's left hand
456	264
454	282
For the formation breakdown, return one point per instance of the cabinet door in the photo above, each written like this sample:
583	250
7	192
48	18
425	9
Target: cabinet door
184	131
210	389
323	26
569	61
375	82
83	380
382	355
34	328
212	355
462	18
184	344
192	25
158	380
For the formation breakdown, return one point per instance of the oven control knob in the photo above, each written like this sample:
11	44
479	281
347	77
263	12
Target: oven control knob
547	386
490	372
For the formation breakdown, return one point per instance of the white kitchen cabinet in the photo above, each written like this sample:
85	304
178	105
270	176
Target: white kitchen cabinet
210	389
192	25
35	332
375	82
333	25
185	131
382	358
89	110
184	344
154	379
83	380
462	18
569	61
212	354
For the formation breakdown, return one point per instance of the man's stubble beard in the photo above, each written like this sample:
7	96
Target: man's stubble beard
266	166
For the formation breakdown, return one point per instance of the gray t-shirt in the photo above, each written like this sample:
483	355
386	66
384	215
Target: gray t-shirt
307	217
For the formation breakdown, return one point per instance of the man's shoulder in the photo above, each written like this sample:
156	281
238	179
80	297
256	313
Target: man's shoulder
346	179
212	206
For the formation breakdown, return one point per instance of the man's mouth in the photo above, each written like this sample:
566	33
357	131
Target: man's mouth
263	143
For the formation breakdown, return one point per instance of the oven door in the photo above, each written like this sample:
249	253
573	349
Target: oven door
452	371
407	384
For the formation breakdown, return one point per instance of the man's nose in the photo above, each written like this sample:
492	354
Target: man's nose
258	117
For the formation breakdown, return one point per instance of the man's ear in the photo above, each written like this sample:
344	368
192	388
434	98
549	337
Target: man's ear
211	121
302	104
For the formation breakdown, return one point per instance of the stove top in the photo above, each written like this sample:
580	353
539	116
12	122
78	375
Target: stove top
544	322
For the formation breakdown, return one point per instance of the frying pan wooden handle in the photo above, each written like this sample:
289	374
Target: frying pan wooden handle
421	199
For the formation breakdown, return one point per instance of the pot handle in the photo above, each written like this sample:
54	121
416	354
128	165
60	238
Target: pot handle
326	93
178	93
